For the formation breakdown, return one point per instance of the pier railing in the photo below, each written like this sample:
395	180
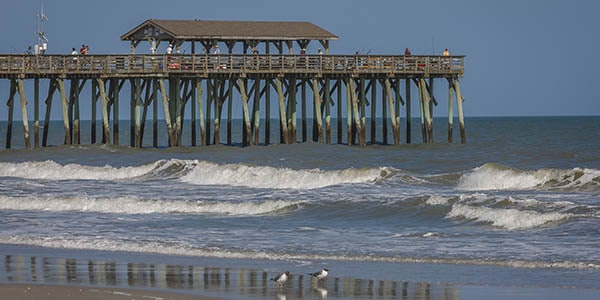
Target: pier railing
160	65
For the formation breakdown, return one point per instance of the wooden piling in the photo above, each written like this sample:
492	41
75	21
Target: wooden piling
10	104
427	109
201	114
51	90
165	100
21	89
422	108
408	113
450	109
36	112
104	107
242	88
63	97
282	110
256	111
373	112
461	120
393	120
317	104
327	105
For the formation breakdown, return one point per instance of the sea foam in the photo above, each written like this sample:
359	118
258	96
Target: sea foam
127	205
54	171
206	173
507	218
497	177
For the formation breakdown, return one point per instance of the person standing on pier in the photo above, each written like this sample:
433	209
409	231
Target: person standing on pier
74	53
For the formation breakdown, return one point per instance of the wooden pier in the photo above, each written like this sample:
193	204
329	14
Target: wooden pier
205	84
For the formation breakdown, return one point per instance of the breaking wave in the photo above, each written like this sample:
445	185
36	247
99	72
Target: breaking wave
497	177
200	173
134	206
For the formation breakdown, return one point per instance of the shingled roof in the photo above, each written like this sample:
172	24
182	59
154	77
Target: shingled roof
195	30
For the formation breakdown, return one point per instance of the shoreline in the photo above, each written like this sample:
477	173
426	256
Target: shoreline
47	273
22	291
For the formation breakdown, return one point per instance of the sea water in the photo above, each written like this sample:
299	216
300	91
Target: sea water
518	206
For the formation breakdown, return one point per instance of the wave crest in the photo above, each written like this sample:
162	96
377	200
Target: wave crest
492	176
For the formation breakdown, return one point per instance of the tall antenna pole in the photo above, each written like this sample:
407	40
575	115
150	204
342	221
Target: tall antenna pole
42	44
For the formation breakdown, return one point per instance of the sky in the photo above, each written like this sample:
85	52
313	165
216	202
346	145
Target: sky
523	58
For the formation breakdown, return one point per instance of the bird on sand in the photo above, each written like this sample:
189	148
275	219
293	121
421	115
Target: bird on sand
321	274
280	279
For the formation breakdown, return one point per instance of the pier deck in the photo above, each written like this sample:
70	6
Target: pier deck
125	66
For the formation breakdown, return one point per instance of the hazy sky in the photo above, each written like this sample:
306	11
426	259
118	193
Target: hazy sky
523	57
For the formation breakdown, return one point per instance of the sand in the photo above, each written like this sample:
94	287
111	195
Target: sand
59	292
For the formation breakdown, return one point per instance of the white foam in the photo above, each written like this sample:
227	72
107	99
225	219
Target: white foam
183	250
54	171
438	200
496	177
129	205
493	177
511	219
206	173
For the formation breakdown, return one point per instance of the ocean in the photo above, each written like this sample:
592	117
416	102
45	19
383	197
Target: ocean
514	212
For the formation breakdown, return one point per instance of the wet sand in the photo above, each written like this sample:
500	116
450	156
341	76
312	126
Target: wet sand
58	292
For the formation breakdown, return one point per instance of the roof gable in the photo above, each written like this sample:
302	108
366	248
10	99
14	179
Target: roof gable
227	30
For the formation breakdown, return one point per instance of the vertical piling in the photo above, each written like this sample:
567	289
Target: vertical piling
282	111
373	111
115	104
165	100
10	103
104	107
393	120
450	109
51	90
408	113
247	127
21	90
194	88
256	111
339	111
201	114
63	97
36	113
461	120
327	106
95	94
317	104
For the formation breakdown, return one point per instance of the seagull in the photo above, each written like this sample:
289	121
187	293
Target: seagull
320	275
281	278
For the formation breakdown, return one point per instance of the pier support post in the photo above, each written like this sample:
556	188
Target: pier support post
10	103
165	100
21	89
461	120
194	88
427	108
63	97
36	113
267	111
317	104
104	107
256	111
450	109
373	112
327	106
154	113
282	110
408	113
51	90
95	96
201	114
349	115
393	120
339	111
247	127
357	119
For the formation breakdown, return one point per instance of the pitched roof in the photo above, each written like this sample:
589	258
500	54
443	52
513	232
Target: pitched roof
228	30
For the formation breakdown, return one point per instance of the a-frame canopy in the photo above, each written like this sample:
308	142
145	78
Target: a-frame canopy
210	33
